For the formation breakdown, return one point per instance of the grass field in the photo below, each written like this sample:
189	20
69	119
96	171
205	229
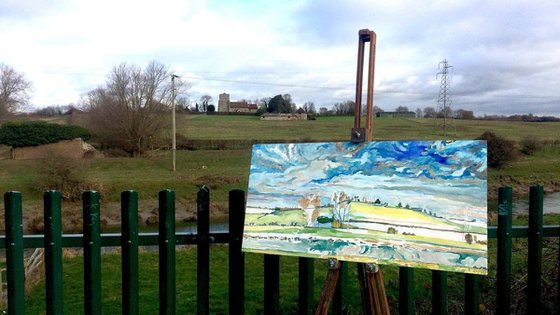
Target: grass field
337	128
186	284
223	170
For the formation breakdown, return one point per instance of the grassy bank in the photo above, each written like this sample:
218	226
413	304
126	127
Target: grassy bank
223	170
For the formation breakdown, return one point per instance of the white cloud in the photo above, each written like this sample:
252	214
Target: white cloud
502	53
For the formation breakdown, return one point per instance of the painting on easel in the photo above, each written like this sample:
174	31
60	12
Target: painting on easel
406	203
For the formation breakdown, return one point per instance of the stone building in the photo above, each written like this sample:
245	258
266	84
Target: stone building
227	106
395	114
287	116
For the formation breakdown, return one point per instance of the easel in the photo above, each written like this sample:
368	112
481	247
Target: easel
374	298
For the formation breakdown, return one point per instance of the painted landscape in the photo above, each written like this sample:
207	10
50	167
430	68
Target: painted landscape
407	203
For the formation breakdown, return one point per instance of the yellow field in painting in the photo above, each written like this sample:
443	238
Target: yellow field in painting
393	214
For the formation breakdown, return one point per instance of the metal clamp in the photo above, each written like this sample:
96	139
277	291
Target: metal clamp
372	267
333	263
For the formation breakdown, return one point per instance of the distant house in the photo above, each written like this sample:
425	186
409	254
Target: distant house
242	107
227	106
395	114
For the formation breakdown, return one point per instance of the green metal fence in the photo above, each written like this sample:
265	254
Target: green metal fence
167	238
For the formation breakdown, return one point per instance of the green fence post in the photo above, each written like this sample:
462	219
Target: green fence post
472	294
166	244
439	292
53	251
306	285
271	284
92	253
203	251
129	247
14	252
503	299
536	194
406	290
236	256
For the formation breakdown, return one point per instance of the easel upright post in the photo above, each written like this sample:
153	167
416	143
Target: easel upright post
374	298
360	134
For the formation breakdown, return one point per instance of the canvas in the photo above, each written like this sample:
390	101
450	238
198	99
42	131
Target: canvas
406	203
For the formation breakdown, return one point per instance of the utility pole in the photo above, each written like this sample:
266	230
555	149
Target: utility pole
174	136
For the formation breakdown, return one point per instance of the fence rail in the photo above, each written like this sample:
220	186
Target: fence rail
167	238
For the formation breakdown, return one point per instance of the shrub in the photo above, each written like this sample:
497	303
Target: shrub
530	145
468	238
115	152
392	230
501	151
23	134
65	175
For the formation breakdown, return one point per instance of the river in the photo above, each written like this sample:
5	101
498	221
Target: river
551	204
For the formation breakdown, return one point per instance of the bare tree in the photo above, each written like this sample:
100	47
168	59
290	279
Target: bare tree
205	100
183	103
344	108
14	90
309	107
127	113
290	102
402	109
419	113
429	112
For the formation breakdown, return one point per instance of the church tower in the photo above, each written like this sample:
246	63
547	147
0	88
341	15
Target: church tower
223	103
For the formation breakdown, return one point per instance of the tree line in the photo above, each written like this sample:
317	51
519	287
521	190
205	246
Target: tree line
127	111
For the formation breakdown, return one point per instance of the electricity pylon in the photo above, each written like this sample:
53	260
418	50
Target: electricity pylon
444	101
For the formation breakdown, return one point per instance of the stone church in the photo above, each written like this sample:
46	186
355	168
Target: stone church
227	106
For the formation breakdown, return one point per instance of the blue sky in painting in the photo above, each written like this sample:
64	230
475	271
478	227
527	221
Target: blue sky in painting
448	178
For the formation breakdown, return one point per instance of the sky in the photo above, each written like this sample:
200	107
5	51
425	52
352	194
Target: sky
505	55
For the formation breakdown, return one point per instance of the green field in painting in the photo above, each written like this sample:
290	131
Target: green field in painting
285	228
293	222
346	233
285	234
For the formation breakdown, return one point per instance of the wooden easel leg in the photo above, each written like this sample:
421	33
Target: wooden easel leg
374	298
365	290
328	287
382	294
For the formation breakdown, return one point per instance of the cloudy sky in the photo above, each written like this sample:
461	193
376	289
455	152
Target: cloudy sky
505	54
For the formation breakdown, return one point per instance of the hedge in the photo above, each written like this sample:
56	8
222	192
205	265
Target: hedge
24	134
